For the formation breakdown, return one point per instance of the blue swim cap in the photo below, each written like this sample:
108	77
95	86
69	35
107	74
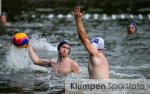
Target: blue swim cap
3	14
62	43
134	24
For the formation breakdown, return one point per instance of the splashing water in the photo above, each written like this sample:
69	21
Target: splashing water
41	44
18	58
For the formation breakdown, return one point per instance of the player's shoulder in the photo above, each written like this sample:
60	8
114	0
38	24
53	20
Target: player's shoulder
73	62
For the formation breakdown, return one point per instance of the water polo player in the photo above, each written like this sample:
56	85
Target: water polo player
61	66
3	20
98	66
132	28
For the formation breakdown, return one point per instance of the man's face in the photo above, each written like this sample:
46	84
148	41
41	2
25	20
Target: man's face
131	28
3	19
64	50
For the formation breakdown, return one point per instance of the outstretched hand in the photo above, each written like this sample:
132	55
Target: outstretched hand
77	13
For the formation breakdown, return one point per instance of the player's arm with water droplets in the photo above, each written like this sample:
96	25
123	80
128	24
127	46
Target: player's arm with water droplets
36	60
82	33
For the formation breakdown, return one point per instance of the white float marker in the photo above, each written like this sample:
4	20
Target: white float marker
87	16
60	16
122	16
113	16
104	17
131	16
148	16
140	16
68	16
95	16
50	16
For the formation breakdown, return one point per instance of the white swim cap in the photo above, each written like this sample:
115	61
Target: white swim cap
98	42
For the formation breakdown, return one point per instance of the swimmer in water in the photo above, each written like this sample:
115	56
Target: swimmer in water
98	66
63	65
3	20
132	29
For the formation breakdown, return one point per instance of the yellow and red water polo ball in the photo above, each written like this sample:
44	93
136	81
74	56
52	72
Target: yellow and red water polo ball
20	40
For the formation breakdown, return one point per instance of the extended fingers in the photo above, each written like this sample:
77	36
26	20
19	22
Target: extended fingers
77	9
72	12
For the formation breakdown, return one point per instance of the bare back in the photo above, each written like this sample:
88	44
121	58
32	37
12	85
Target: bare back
98	67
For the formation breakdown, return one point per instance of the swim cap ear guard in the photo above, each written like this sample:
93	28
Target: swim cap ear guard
62	43
98	42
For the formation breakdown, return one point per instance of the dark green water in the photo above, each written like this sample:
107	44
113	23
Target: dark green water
49	22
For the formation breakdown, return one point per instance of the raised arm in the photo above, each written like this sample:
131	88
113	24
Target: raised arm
36	60
82	33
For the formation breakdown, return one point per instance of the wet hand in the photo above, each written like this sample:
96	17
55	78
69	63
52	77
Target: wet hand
28	45
77	13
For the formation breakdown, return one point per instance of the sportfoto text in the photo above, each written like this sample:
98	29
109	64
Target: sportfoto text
78	86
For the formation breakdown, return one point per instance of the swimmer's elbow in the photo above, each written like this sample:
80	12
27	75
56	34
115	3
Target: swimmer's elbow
77	72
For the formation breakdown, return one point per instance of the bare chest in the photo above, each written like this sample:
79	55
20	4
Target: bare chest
61	68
